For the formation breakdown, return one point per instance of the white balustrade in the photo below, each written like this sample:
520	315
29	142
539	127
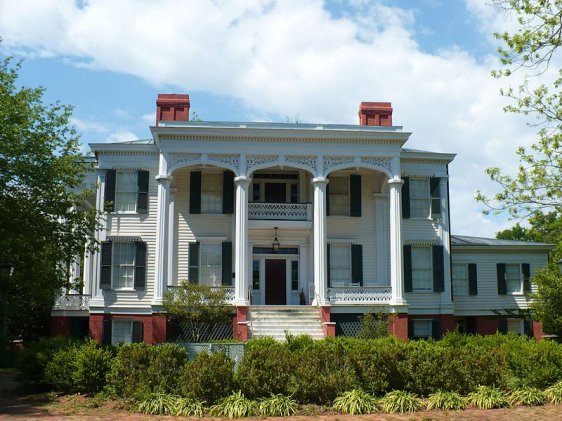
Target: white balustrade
360	295
72	302
280	211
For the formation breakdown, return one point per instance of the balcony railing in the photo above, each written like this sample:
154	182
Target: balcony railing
228	292
72	302
280	211
360	295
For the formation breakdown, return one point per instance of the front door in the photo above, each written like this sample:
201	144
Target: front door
275	282
275	193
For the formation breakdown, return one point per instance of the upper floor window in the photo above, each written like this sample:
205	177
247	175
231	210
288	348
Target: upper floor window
123	268
422	269
123	265
419	198
513	278
126	191
340	265
211	193
339	196
460	279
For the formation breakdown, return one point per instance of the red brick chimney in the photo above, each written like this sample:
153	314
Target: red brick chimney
375	114
172	107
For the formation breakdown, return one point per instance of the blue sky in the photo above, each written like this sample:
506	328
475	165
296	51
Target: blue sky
270	60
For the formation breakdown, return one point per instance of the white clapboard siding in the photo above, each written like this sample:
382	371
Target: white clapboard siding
488	298
420	230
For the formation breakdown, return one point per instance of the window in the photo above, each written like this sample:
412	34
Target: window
339	196
123	273
419	198
513	279
211	193
422	271
422	329
515	326
126	191
295	275
256	274
211	265
122	332
460	279
340	265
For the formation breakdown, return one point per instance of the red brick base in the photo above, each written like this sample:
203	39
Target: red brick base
60	326
329	326
155	326
398	325
240	324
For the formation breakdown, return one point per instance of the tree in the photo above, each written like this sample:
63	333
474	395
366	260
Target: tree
532	49
43	223
196	308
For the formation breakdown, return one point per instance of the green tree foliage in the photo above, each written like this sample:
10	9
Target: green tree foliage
43	224
532	49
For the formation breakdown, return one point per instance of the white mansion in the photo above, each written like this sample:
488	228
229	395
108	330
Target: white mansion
305	226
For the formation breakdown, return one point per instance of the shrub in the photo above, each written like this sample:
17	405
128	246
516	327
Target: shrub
158	404
356	402
528	396
400	401
140	369
373	325
321	372
295	342
277	406
554	393
488	397
234	406
34	359
265	368
59	371
209	378
93	363
188	408
446	400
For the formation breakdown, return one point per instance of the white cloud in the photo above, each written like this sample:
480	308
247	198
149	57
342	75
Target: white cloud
291	58
121	136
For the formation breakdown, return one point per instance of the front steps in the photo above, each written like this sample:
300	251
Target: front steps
274	321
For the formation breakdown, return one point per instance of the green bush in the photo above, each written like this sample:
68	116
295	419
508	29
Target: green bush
295	342
188	408
35	358
158	404
528	396
140	369
554	393
277	406
321	372
59	371
487	397
265	368
356	402
449	401
400	401
208	378
234	406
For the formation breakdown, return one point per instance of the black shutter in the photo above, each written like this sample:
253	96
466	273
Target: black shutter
502	326
355	195
194	263
195	192
528	328
472	279
328	265
357	264
526	268
502	284
142	195
105	276
327	199
406	198
438	269
228	192
140	265
436	329
137	336
407	268
411	329
106	332
109	195
435	196
227	263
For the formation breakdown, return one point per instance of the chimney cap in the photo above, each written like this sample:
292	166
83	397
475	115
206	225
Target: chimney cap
172	98
375	106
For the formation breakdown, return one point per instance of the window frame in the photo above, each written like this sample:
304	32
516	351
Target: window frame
117	201
333	195
113	322
202	246
427	198
430	330
521	325
113	265
206	193
430	269
521	280
467	291
338	283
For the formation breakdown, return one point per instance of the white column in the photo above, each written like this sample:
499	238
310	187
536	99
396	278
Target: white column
172	276
396	272
320	281
381	238
87	272
446	297
99	235
162	243
303	279
241	283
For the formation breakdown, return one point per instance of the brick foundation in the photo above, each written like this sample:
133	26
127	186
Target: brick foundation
155	326
537	330
398	325
486	325
60	326
240	324
328	326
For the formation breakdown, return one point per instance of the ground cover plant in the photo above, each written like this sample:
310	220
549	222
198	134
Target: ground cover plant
277	406
486	397
356	402
234	406
450	401
529	396
400	401
554	393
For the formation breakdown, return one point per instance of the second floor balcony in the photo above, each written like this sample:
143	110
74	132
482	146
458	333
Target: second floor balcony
280	211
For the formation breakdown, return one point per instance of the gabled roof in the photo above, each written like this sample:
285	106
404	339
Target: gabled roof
469	241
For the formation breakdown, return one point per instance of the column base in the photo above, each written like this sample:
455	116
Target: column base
240	302
321	303
398	302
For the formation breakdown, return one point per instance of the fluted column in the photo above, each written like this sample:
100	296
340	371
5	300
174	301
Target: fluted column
241	283
162	235
396	272
320	280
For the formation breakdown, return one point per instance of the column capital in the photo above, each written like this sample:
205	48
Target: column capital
395	181
242	181
164	178
320	181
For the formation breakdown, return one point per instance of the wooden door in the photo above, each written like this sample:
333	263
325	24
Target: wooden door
275	193
275	282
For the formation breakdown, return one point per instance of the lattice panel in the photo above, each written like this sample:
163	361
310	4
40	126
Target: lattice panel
208	332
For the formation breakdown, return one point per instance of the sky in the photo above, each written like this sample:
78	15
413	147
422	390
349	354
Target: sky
283	60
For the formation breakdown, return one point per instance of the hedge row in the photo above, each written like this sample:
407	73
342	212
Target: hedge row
310	371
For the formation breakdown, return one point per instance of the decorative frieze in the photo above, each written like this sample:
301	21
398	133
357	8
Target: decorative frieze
331	162
255	161
374	163
185	158
231	160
